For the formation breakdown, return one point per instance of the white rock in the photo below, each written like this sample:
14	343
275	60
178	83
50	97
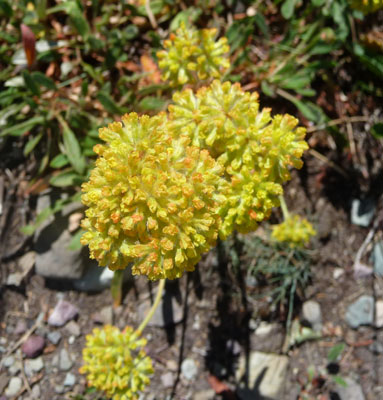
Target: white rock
189	369
70	379
312	313
264	329
379	314
338	272
352	391
14	386
33	365
270	367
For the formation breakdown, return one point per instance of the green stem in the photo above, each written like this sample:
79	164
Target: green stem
151	312
116	286
285	210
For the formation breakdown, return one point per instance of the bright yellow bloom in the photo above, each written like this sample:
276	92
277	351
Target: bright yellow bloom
116	363
295	230
191	55
256	149
152	200
367	6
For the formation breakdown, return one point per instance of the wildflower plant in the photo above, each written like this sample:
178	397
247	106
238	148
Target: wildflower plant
115	362
165	187
192	55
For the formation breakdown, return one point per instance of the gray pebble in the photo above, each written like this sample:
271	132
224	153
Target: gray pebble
361	312
312	314
14	386
167	379
36	392
189	368
54	337
33	366
70	379
59	389
21	327
65	362
8	361
73	328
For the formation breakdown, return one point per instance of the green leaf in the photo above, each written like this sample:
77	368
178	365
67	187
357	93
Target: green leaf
335	352
30	83
187	16
72	148
59	161
377	130
22	127
65	178
5	8
32	143
75	244
296	82
151	103
318	3
339	381
267	89
287	8
309	110
262	24
43	80
109	104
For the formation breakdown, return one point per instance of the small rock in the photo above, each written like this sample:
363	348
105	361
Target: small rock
208	394
73	328
377	257
338	272
55	360
8	361
362	211
233	347
15	368
14	279
376	347
54	337
70	379
33	346
62	313
14	386
189	369
65	362
104	316
3	382
27	261
361	312
171	365
312	313
54	259
352	391
267	373
71	339
21	327
33	366
167	380
379	314
264	328
36	392
59	389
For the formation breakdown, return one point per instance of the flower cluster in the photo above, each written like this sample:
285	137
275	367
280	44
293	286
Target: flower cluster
255	149
191	55
367	6
116	363
296	231
152	199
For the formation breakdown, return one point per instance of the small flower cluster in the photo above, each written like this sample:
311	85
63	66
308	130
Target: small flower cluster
116	363
367	6
192	55
255	149
295	230
152	200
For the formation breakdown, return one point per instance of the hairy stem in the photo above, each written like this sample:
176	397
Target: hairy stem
285	210
116	287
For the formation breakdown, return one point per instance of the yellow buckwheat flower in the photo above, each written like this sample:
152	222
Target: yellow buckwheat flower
294	230
191	55
256	149
367	6
152	200
116	363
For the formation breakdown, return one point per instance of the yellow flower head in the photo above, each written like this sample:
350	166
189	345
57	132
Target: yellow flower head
191	55
152	199
116	363
256	149
367	6
294	230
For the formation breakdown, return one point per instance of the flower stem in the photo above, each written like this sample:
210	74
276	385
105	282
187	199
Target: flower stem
285	210
151	312
116	286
